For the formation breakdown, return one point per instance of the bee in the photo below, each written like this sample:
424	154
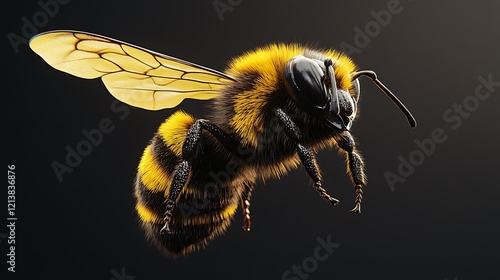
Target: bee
271	110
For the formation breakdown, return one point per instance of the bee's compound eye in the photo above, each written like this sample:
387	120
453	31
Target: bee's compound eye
304	82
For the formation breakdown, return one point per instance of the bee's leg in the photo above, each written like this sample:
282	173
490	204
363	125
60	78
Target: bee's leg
305	154
309	162
182	172
355	166
245	205
180	178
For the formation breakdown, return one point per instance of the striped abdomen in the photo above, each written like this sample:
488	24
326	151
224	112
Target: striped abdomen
207	202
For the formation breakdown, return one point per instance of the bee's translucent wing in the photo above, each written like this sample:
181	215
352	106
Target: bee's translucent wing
132	74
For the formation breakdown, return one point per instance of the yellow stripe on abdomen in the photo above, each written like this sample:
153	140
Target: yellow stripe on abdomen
152	175
229	211
226	214
174	131
146	215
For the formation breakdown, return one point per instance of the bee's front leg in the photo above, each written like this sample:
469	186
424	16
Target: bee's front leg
305	154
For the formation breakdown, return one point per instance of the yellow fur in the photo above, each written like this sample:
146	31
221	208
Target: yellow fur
152	81
146	215
209	218
265	60
270	62
152	174
174	130
280	169
343	66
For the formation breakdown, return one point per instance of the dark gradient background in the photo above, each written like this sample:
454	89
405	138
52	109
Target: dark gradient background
440	223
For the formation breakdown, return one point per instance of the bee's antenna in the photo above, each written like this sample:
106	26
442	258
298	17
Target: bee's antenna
333	83
373	76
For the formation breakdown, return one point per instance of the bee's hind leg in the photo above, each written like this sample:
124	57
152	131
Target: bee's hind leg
245	205
182	173
180	178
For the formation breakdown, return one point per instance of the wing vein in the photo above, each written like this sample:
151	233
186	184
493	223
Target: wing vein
134	75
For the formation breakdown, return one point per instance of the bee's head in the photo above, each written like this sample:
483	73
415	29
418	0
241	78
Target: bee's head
312	85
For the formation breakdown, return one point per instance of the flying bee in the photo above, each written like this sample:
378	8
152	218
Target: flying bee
272	109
